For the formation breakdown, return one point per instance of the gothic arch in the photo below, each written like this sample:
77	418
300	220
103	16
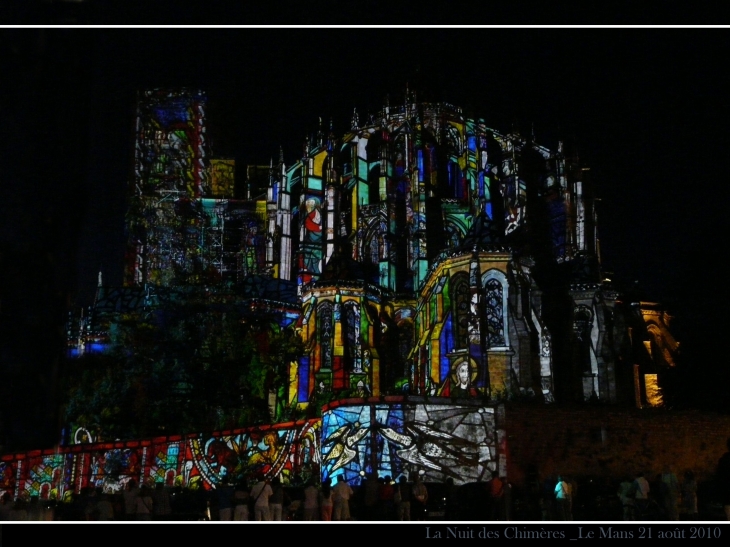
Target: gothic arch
352	338
455	141
460	308
348	158
582	325
582	321
375	248
494	292
374	184
666	347
326	331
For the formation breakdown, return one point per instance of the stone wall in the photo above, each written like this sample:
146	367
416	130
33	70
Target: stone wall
609	442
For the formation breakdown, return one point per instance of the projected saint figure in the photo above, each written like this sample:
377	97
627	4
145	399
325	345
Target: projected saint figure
312	220
459	384
253	249
264	459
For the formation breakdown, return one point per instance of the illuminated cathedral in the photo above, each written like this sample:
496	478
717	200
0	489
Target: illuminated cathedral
432	267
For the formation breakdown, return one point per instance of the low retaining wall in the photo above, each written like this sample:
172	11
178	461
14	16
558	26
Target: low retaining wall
437	437
610	442
289	451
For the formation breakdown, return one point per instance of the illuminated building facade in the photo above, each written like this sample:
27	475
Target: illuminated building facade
432	267
413	242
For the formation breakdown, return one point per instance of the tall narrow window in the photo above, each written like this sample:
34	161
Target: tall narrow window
460	300
374	185
374	248
352	335
495	312
324	313
582	325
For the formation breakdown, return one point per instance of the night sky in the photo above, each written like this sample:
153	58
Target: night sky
645	109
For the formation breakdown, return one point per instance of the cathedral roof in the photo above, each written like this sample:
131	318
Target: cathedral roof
483	235
342	267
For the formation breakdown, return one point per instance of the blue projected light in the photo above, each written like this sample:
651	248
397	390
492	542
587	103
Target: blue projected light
471	143
96	348
303	387
447	343
170	115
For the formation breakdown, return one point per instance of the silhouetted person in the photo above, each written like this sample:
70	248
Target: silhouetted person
452	503
225	499
671	494
689	495
278	500
505	505
342	493
627	494
130	499
6	505
403	507
419	499
641	493
495	487
723	480
385	498
161	506
562	499
371	488
326	501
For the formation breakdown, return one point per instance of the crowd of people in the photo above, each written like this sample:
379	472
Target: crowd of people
663	497
134	502
374	499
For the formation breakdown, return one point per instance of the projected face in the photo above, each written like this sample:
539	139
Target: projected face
463	374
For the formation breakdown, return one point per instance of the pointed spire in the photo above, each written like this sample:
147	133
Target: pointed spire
272	181
306	147
281	167
355	119
331	137
320	133
99	280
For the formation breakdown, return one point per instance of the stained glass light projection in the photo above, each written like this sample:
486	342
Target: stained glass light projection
435	441
170	142
184	226
288	451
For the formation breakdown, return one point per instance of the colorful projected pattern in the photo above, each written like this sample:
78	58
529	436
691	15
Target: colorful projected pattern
195	241
170	144
222	178
436	441
289	451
